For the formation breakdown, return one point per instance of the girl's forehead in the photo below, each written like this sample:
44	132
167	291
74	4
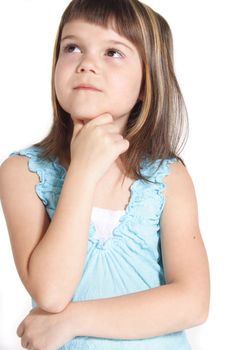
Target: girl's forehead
82	28
82	25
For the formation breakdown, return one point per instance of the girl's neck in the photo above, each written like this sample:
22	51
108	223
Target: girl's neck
114	174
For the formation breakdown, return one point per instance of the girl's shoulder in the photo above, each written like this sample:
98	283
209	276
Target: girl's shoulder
16	164
36	162
27	166
32	153
23	160
179	190
178	175
159	169
12	168
171	179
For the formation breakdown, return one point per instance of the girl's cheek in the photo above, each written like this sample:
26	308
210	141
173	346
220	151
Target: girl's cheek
66	59
66	64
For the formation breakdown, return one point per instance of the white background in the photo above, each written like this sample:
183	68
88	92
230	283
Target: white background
202	33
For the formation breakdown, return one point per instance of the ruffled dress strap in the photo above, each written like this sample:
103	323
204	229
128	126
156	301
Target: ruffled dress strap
158	169
156	172
51	176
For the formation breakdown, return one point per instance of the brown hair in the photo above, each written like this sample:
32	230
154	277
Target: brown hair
155	127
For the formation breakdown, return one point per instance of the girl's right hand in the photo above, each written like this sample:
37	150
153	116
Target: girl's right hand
97	144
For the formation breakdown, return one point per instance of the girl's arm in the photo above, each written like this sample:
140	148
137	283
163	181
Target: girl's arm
180	304
49	256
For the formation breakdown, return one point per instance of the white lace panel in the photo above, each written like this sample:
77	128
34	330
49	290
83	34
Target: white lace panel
105	221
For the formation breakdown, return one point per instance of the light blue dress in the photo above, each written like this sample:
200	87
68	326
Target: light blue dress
129	262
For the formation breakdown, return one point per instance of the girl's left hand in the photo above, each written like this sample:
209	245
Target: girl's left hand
42	330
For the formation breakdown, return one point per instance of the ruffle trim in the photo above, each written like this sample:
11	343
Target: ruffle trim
51	176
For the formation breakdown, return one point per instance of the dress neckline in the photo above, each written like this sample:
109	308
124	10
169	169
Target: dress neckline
108	210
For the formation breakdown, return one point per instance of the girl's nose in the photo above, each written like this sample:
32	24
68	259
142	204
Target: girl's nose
85	69
87	64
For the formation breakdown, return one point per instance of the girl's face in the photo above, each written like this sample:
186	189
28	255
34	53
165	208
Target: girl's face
91	54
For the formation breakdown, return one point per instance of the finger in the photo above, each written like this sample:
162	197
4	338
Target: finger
25	343
102	119
117	137
110	128
31	347
20	330
124	145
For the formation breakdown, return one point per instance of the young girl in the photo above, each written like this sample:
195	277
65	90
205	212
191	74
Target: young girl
102	213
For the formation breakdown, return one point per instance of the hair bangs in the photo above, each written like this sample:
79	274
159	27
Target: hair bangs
117	15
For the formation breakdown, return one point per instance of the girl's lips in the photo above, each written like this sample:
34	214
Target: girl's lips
86	88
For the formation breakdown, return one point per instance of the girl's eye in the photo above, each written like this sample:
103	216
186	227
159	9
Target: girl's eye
115	51
69	48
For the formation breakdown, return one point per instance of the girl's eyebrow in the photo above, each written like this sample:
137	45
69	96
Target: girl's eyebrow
109	41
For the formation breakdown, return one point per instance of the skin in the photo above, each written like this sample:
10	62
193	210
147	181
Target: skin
44	330
91	59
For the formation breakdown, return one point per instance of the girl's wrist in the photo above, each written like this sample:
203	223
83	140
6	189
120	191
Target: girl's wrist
86	174
75	318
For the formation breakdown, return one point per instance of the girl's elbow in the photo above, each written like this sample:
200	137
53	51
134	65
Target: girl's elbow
196	306
53	307
51	304
202	312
